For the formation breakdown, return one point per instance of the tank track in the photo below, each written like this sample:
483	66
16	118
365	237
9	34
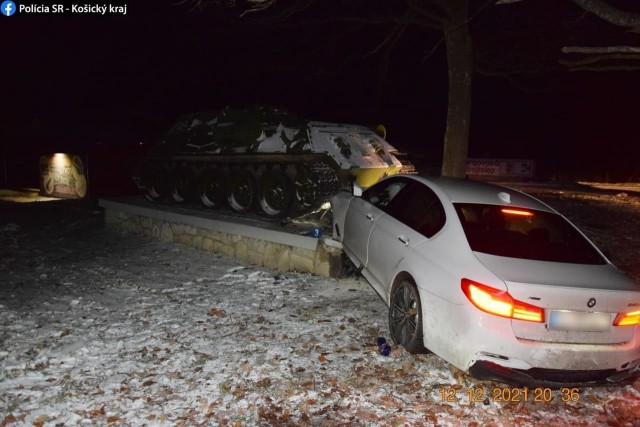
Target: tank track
311	183
315	184
261	159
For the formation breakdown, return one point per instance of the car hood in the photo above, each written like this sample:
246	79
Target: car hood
604	276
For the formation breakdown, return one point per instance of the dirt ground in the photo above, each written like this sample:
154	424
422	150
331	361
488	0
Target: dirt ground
102	328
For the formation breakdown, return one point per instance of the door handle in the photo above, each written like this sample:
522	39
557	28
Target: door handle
370	216
404	240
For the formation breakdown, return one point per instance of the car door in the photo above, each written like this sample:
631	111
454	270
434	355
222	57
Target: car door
414	216
362	214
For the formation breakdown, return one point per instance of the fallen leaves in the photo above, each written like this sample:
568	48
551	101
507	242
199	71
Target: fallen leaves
39	422
263	382
625	409
216	312
240	391
459	376
431	417
9	419
95	413
274	415
366	415
286	353
389	402
322	357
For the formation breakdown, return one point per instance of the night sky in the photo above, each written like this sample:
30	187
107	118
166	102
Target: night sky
77	81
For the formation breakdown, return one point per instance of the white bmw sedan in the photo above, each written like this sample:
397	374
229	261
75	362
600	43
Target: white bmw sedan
492	280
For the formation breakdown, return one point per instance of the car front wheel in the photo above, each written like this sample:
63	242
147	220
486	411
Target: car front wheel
405	317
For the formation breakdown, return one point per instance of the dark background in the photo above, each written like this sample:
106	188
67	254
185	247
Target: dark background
101	85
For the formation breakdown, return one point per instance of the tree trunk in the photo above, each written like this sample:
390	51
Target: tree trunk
460	65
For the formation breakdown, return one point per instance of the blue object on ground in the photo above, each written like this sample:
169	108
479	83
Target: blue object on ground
383	346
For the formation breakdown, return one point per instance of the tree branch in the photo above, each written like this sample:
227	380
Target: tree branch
390	41
433	49
603	10
611	14
599	58
283	15
607	68
391	38
597	55
258	6
600	49
435	19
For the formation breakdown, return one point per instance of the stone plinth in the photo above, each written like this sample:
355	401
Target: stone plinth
244	240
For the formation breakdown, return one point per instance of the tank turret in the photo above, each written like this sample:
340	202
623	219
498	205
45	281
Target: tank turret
263	157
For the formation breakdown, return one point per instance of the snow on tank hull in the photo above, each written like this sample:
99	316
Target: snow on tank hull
263	158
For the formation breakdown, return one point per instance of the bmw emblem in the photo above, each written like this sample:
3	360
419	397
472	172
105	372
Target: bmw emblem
591	303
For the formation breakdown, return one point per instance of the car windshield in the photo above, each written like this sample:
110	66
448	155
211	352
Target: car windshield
524	233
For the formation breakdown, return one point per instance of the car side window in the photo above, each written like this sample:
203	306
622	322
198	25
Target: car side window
381	194
419	208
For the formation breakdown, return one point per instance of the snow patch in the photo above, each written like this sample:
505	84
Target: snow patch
220	343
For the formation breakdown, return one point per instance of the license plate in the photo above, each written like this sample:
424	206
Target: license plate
579	321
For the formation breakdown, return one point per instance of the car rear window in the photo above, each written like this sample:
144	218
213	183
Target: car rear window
524	233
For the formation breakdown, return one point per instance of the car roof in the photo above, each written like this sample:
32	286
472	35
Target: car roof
459	190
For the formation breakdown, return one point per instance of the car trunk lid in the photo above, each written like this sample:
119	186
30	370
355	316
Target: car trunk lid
580	301
558	274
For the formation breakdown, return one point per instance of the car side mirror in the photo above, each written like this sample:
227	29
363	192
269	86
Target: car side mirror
356	190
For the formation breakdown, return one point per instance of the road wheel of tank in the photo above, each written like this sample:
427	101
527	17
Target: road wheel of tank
314	184
241	191
405	316
181	186
212	189
157	183
275	194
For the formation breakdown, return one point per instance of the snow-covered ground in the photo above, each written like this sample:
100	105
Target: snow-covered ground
104	328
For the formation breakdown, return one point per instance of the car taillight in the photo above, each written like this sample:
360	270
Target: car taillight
500	303
627	319
517	212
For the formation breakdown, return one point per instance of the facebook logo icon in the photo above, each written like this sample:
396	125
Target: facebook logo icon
8	8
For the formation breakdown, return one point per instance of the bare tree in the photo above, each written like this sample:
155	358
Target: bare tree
450	17
602	58
457	37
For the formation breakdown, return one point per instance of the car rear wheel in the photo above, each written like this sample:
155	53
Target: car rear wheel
405	317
